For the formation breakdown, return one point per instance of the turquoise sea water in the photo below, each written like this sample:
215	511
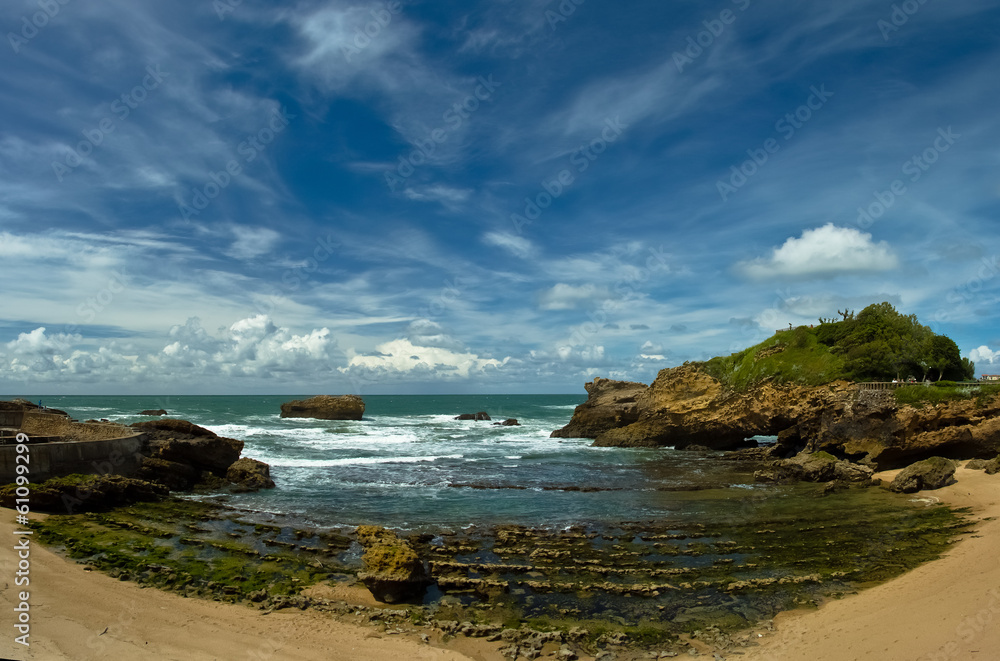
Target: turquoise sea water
409	464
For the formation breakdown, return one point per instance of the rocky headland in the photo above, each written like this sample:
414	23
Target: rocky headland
686	406
325	407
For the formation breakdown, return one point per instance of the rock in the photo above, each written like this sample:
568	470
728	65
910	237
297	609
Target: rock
932	473
77	493
325	407
992	466
392	569
153	412
509	422
610	404
250	474
482	415
814	467
173	475
182	454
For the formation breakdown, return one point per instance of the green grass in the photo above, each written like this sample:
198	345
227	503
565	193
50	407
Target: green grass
920	395
793	356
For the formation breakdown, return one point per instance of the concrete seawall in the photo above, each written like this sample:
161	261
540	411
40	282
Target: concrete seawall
121	456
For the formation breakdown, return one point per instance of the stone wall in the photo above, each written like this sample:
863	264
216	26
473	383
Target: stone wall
121	456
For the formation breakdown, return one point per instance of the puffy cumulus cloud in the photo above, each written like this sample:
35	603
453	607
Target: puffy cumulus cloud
427	333
570	297
823	252
983	355
402	357
251	347
652	351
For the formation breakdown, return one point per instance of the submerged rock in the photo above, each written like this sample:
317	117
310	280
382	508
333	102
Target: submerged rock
392	571
325	407
932	473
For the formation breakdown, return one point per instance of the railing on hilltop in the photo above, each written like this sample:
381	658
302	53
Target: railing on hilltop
892	385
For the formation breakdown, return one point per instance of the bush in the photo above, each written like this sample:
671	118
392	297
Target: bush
944	384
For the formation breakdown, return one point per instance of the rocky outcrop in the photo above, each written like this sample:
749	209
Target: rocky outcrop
325	407
610	404
509	422
932	473
153	412
392	571
93	493
482	415
685	406
183	456
992	466
250	475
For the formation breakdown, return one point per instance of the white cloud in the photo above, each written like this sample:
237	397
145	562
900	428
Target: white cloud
824	252
984	354
438	193
252	242
402	356
569	297
515	245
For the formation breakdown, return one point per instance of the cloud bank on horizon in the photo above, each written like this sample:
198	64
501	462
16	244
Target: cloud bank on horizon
409	197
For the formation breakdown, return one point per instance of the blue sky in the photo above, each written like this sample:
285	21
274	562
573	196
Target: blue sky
506	196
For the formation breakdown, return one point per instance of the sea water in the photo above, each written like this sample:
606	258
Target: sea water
410	464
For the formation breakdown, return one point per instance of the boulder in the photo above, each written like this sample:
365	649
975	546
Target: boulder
482	415
153	412
325	407
250	474
610	404
85	493
991	466
814	467
178	443
171	474
932	473
392	571
509	422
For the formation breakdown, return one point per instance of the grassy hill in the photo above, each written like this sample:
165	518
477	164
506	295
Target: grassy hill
879	344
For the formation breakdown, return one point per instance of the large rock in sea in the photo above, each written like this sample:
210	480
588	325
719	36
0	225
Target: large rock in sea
325	407
610	404
392	571
932	473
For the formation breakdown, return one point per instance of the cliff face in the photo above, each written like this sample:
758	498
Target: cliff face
685	406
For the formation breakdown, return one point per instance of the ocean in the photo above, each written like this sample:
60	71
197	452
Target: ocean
409	464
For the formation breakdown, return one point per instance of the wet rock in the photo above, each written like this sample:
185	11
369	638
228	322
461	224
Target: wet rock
482	415
325	407
74	494
509	422
183	442
250	475
932	473
153	412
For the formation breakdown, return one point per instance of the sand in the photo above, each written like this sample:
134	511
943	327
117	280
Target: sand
82	615
945	609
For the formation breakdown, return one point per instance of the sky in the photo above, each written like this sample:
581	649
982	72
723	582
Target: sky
240	197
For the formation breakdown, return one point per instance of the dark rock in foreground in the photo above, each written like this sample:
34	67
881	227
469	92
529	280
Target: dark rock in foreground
325	407
78	493
932	473
393	571
482	415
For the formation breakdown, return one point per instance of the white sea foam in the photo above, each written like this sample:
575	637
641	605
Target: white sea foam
357	461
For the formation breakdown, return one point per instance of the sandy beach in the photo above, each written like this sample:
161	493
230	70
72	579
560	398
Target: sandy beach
946	609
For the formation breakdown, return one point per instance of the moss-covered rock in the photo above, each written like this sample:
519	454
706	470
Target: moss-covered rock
86	493
393	571
932	473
